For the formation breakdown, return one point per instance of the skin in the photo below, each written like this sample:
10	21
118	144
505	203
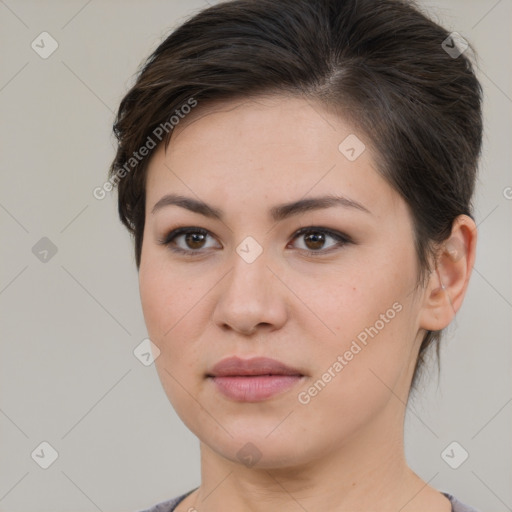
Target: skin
344	449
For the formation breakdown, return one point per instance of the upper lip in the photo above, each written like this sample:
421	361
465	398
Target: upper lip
234	366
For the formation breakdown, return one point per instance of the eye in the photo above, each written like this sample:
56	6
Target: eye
315	238
192	239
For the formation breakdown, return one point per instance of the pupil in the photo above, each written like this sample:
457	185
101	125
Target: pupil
317	239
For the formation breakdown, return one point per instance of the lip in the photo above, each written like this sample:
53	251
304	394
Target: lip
253	380
236	367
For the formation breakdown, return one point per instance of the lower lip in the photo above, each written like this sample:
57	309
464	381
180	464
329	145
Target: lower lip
254	388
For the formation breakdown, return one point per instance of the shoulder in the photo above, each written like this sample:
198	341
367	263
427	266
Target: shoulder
168	505
458	506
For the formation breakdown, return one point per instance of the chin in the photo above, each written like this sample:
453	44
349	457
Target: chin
260	446
260	453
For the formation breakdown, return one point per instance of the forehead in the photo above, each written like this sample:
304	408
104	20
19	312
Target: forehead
267	147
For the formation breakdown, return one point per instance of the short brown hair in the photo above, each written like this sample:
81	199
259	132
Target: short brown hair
383	62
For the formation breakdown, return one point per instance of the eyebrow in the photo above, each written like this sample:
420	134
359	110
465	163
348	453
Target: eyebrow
277	213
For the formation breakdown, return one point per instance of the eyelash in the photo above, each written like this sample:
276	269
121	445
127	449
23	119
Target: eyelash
341	238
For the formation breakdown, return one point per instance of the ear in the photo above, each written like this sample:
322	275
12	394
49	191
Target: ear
448	282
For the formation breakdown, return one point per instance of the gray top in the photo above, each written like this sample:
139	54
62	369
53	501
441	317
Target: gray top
170	505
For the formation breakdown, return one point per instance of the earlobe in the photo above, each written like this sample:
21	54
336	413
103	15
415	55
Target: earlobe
448	282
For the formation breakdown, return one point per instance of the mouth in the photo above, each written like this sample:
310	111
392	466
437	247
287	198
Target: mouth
253	380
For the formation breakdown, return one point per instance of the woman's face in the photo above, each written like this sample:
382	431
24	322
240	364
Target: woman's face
337	303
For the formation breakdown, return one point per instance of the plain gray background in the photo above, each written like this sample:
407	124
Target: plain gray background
69	324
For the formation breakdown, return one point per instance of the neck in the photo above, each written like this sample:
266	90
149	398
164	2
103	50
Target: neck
366	472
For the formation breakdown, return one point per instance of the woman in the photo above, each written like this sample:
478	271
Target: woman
298	178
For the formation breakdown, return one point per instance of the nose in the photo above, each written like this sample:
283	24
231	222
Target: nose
250	298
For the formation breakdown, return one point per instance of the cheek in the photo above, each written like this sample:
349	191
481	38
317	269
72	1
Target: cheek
164	295
156	299
172	325
175	308
358	371
367	315
353	298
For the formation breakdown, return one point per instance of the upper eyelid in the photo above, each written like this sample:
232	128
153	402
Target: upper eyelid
332	232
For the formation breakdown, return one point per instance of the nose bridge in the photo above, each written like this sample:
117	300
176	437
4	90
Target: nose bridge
250	272
247	296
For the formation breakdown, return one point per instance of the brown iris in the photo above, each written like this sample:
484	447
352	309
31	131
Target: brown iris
314	240
195	240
